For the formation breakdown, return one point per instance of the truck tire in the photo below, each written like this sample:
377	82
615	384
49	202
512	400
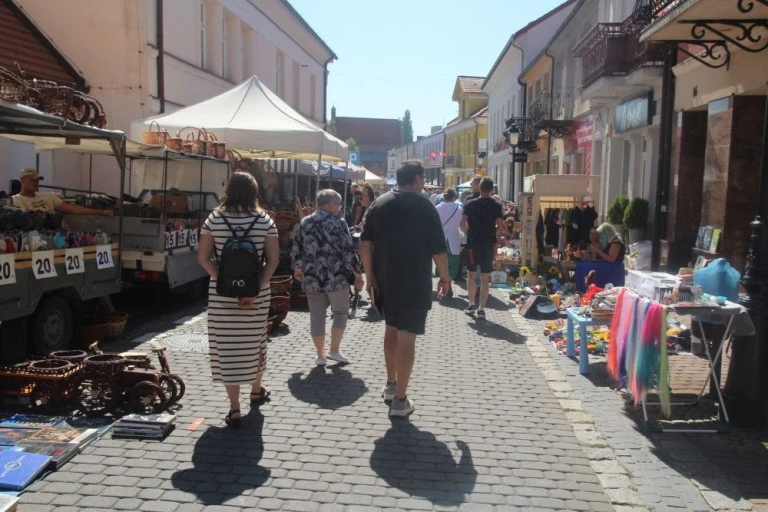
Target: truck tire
53	326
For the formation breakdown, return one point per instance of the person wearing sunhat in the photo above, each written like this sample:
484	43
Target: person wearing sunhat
29	199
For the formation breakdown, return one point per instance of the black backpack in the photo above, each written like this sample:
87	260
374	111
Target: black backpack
240	264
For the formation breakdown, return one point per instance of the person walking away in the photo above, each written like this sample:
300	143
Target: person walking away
367	197
401	237
237	327
481	219
450	217
324	260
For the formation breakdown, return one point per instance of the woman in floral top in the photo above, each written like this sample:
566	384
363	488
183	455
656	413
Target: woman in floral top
324	260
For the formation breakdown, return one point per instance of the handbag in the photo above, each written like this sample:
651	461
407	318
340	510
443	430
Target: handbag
348	274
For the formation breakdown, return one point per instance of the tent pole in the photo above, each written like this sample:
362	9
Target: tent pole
90	174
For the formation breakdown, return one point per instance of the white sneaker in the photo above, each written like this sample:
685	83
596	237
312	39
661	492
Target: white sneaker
338	356
402	408
388	392
320	361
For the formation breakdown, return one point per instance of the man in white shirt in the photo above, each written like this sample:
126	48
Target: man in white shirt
450	217
29	199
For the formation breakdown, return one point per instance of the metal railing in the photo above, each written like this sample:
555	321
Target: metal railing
557	104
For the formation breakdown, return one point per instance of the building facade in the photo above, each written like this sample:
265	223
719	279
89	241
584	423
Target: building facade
717	124
145	57
466	136
592	101
429	149
374	137
506	94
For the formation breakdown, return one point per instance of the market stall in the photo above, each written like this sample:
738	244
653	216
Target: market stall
254	122
548	194
47	265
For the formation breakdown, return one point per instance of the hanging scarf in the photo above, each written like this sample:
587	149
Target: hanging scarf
612	364
663	385
647	360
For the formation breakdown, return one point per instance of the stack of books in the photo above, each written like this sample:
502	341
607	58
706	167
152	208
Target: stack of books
57	437
144	426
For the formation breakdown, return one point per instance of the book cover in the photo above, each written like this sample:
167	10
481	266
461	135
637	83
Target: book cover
10	435
707	237
59	452
101	424
63	435
713	246
163	418
700	238
18	469
31	421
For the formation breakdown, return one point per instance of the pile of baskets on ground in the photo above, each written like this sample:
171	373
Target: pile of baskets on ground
48	96
96	384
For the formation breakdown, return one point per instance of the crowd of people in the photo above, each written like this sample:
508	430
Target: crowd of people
406	238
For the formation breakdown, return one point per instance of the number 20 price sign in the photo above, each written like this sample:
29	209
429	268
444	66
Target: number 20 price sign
74	261
7	269
42	264
104	257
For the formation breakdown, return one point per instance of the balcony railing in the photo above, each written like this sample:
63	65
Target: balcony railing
614	49
557	104
462	161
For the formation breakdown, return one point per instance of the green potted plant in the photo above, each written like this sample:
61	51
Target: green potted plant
616	212
636	218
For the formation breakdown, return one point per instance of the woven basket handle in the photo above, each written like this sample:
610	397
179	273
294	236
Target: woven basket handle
10	75
155	123
179	134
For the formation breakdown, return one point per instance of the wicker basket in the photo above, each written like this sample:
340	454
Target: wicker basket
280	303
154	137
280	285
101	326
57	99
174	143
193	144
601	314
73	356
12	88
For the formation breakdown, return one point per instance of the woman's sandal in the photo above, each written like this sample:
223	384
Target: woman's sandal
233	422
261	398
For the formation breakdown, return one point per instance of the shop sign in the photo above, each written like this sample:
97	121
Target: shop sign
633	114
580	140
520	158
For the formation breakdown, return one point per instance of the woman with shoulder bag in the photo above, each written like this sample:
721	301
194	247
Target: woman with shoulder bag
237	325
450	217
324	260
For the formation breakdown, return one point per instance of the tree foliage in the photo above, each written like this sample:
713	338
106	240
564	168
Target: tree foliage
352	143
407	127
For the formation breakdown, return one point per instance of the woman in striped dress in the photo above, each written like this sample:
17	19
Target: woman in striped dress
237	328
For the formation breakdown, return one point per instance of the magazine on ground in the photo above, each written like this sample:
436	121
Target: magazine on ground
163	418
11	436
18	469
76	436
59	452
32	421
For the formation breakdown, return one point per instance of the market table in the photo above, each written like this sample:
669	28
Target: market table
737	321
575	316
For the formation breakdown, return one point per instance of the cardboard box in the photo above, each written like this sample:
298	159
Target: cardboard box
174	202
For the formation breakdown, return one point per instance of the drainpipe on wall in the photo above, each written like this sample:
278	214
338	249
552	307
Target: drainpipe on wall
665	153
477	142
523	98
325	90
551	86
159	38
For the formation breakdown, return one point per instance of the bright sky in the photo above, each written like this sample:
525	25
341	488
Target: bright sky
406	54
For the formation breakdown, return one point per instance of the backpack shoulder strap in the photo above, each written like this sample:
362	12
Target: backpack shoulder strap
245	232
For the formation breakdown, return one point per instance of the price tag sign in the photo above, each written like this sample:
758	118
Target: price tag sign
7	269
104	257
74	261
183	237
193	241
42	264
170	240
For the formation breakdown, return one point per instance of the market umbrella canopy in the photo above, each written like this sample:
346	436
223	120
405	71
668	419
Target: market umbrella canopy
254	121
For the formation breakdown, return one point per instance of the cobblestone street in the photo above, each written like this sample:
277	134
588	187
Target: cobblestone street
502	423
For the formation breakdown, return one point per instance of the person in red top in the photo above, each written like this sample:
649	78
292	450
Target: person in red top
481	220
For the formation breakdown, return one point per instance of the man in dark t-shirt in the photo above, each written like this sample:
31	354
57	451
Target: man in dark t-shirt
481	219
401	237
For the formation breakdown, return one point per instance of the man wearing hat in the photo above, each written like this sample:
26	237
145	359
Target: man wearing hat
28	199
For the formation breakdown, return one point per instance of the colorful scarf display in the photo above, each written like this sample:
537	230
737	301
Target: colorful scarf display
637	353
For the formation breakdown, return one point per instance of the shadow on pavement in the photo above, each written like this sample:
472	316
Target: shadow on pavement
226	462
488	329
415	462
329	387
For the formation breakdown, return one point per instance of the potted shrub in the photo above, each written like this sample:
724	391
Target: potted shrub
636	218
616	212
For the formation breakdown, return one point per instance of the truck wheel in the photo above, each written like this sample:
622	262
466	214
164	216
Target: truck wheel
53	326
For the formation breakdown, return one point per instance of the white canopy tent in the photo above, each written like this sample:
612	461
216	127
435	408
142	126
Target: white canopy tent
254	121
373	179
